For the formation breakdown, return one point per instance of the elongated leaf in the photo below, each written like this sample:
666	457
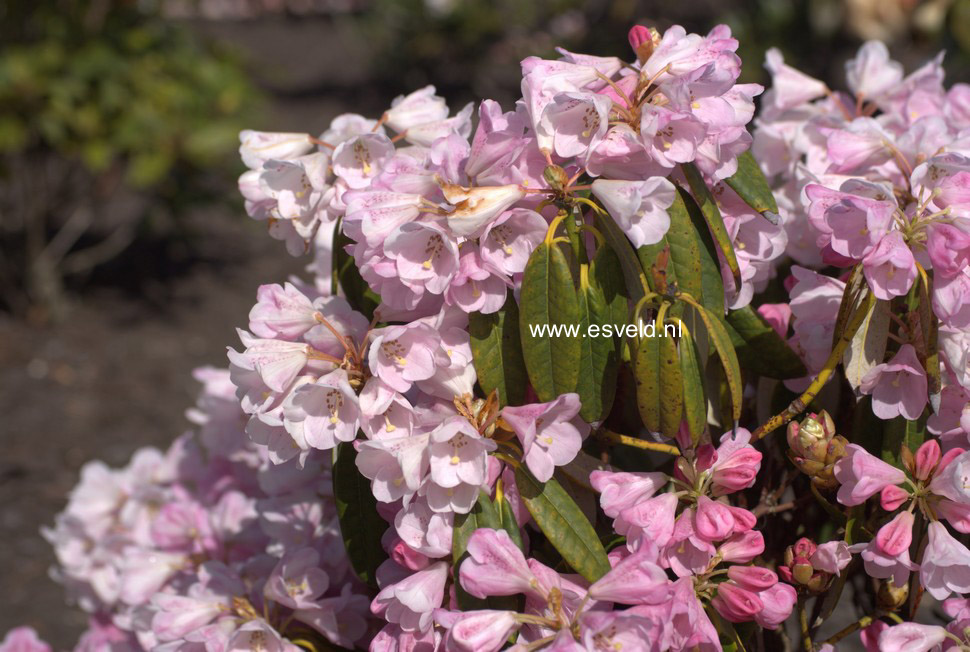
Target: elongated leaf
751	185
932	332
509	524
598	361
482	515
606	273
624	251
695	403
868	347
671	385
548	299
713	285
712	215
719	337
497	352
358	293
563	523
852	297
360	524
760	348
646	370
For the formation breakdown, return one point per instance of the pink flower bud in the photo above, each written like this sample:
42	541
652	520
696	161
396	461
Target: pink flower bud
892	497
895	536
635	580
736	604
911	637
926	459
753	578
495	566
713	520
477	631
742	548
778	602
637	36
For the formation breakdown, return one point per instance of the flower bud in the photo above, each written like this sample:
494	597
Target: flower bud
556	177
800	571
815	448
890	597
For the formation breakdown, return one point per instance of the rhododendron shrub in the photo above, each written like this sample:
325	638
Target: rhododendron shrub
525	399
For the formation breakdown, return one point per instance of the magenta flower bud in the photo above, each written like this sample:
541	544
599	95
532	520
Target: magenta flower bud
895	536
892	497
736	604
753	578
927	457
637	36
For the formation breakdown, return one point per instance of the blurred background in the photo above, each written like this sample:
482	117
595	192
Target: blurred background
126	259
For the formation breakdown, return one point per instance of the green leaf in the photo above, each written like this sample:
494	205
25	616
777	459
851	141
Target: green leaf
718	335
751	185
549	298
358	293
563	523
598	361
712	215
509	524
360	524
900	432
482	515
497	352
671	385
621	246
868	345
760	348
646	370
606	273
695	402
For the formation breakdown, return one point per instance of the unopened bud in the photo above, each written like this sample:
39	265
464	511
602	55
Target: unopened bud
890	597
799	570
815	448
556	177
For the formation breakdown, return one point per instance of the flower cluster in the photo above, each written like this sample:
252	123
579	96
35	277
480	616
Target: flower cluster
208	544
395	459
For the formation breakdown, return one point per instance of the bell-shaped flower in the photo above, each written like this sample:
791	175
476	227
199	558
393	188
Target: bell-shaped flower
475	288
496	566
948	248
789	87
396	467
476	208
652	518
297	580
736	604
945	564
483	630
898	387
423	530
863	475
890	267
850	223
871	72
426	257
912	637
458	454
777	601
417	108
712	520
281	312
377	213
359	159
258	147
508	242
400	355
831	557
551	433
574	122
639	207
637	579
411	601
622	490
324	412
882	566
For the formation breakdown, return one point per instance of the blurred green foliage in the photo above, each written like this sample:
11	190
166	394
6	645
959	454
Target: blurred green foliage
100	98
129	86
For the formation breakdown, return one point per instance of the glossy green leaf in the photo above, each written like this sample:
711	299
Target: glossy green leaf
751	185
563	523
606	273
760	348
497	352
483	514
360	524
695	401
599	358
712	216
646	370
549	299
671	385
